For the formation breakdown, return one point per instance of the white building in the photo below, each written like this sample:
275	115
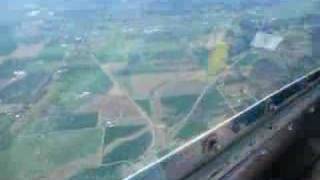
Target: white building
266	41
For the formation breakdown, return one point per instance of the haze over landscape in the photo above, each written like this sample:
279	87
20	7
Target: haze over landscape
98	89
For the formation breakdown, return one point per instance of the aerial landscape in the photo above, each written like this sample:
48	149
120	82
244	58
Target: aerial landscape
98	89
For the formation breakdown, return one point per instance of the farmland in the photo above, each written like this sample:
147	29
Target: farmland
120	131
7	43
217	58
103	172
129	151
94	90
93	80
47	152
179	106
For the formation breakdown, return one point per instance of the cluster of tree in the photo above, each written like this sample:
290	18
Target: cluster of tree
240	41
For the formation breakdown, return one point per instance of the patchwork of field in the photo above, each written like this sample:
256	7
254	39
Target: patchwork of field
36	156
102	172
209	111
142	86
25	51
100	93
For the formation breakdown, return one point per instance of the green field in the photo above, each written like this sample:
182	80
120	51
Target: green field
8	67
179	106
85	78
113	133
212	101
31	157
165	50
29	65
145	105
52	53
24	90
61	121
100	173
249	59
212	105
191	129
77	121
7	40
130	150
5	135
202	56
76	80
116	46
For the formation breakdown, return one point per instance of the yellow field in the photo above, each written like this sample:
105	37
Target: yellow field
217	58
